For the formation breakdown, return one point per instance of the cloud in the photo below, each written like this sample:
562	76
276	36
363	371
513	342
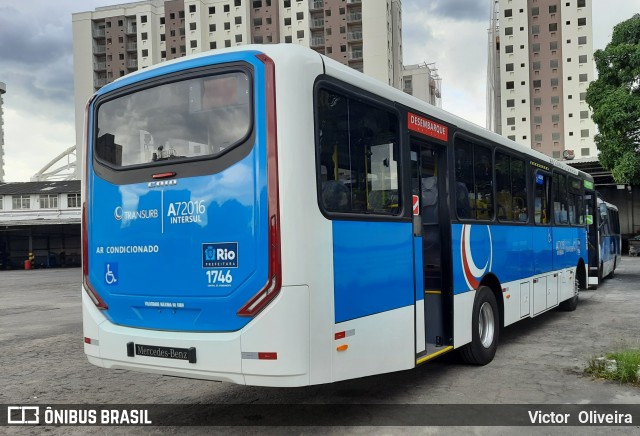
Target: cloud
466	10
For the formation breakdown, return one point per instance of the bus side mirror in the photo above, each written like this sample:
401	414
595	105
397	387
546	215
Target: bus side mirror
603	211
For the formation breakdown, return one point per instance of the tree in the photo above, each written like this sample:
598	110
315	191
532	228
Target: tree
615	100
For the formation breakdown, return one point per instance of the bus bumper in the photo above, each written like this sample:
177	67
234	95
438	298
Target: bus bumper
272	350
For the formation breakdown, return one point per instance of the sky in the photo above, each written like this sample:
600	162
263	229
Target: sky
36	64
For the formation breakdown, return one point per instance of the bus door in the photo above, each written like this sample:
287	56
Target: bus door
593	243
429	207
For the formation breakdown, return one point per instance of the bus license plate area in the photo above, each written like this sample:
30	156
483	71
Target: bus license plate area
188	354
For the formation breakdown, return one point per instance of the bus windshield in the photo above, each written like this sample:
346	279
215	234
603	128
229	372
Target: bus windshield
196	118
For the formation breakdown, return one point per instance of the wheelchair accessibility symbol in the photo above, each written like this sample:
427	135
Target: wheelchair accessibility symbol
111	273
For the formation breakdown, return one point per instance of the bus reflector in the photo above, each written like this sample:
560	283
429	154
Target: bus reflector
341	335
342	347
91	341
87	340
268	356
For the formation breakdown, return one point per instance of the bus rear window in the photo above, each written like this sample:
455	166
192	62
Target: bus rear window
189	119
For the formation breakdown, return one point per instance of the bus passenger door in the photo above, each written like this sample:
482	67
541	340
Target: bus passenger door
429	207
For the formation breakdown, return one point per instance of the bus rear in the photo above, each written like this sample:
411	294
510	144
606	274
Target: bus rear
181	248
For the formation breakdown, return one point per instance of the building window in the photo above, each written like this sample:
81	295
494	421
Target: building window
536	48
212	10
556	155
512	137
21	201
555	99
511	103
582	21
511	121
258	39
299	16
554	81
535	11
238	38
180	14
553	63
582	40
583	77
161	21
237	3
508	30
227	25
212	27
143	18
287	21
48	201
584	115
537	137
582	59
212	45
584	133
510	85
582	3
257	21
287	39
300	34
553	9
584	151
555	118
327	13
145	53
535	29
192	8
537	83
537	119
508	49
73	200
162	37
537	101
193	43
238	20
163	54
555	136
287	3
192	26
509	67
508	12
536	66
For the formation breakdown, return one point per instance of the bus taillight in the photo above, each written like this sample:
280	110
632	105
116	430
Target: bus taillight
274	282
97	300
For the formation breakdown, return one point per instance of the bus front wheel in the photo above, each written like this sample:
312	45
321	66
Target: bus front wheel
485	329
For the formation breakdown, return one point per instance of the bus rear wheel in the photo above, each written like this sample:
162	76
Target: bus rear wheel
485	329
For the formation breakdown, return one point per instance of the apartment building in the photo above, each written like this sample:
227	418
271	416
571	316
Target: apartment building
424	82
540	66
3	89
115	40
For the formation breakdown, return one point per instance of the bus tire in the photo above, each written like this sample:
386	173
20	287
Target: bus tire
571	304
485	329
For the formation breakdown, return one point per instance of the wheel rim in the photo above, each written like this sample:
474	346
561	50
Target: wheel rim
486	325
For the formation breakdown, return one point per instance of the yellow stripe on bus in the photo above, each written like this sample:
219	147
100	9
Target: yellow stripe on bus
433	292
434	355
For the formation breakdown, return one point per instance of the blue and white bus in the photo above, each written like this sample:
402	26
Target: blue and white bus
605	240
265	215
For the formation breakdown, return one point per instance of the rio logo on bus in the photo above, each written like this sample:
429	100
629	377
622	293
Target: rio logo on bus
220	254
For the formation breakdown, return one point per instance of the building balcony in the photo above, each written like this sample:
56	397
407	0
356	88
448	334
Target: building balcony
355	17
316	5
354	2
317	41
354	36
99	33
355	55
316	23
100	49
132	46
132	63
99	83
99	66
132	30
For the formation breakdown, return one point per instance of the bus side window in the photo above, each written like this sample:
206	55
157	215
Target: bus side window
541	198
465	193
